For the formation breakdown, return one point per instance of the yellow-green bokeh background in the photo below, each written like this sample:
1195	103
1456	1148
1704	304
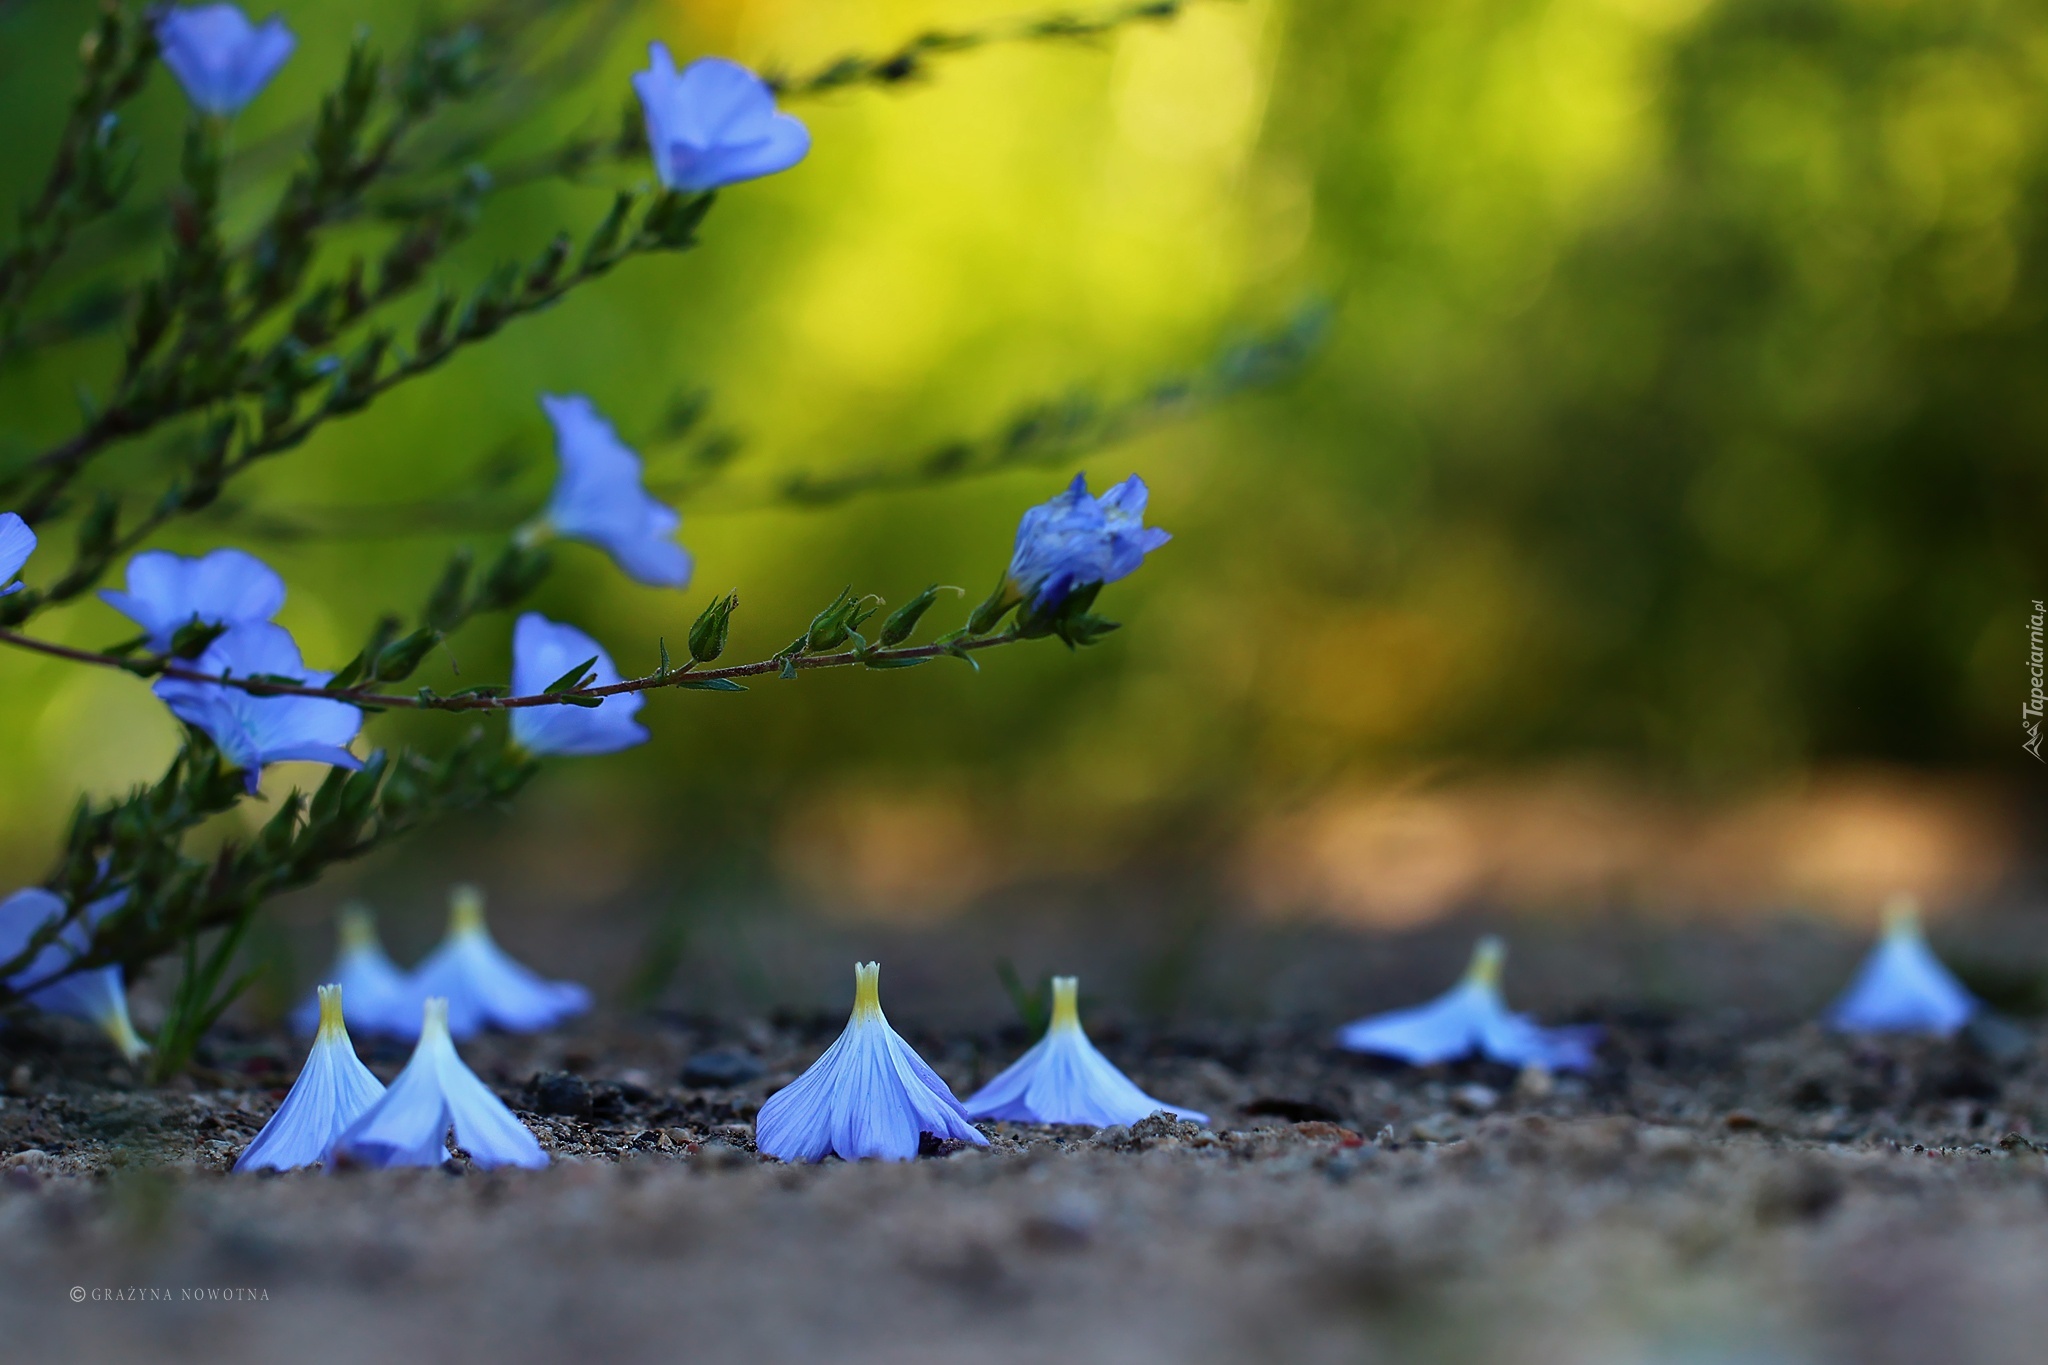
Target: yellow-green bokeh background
1681	413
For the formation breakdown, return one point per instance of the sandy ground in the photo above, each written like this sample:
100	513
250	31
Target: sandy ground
1725	1188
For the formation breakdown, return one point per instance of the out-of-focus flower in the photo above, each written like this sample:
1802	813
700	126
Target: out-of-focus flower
17	543
486	988
434	1097
714	124
167	592
222	59
1902	986
544	650
332	1091
1469	1018
254	731
1075	541
599	497
96	995
870	1095
378	998
1063	1079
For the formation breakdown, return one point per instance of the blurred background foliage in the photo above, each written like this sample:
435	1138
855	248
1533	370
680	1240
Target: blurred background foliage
1679	418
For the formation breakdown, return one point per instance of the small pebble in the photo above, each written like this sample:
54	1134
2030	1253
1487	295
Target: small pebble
720	1068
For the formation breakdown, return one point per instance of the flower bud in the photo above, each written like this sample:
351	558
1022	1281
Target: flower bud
707	636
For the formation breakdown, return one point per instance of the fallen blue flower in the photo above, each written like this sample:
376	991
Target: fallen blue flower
486	988
254	731
544	650
714	124
436	1096
167	592
378	998
1471	1018
870	1095
222	59
17	543
599	497
95	995
1902	986
1075	541
333	1090
1063	1079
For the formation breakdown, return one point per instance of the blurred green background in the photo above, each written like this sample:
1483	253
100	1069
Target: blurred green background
1680	423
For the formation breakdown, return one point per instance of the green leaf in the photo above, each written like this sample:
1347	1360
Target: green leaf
710	685
574	678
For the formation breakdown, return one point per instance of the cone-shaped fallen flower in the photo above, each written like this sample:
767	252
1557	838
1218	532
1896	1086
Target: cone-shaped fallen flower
376	996
1063	1079
332	1091
483	985
1902	986
870	1095
1471	1017
434	1097
95	996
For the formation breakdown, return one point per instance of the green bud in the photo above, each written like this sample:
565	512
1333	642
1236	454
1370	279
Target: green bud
402	656
707	636
517	572
903	621
445	606
830	627
990	613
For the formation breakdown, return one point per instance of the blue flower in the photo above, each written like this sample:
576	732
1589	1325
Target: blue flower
434	1096
1902	986
378	997
167	592
17	543
1470	1018
254	731
95	996
332	1091
1075	541
715	124
483	986
1063	1079
542	651
870	1095
222	59
599	497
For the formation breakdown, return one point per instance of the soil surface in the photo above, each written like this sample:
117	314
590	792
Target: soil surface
1720	1189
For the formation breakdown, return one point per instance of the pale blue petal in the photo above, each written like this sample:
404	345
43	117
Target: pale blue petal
542	651
486	988
166	592
221	59
1903	987
599	497
332	1091
1065	1079
17	543
97	996
255	731
714	124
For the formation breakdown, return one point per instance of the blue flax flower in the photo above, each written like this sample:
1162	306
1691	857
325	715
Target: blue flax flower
1075	541
167	592
1063	1079
599	497
544	650
17	543
714	124
222	59
1902	986
1469	1018
870	1095
378	998
253	731
434	1096
95	996
332	1091
486	988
